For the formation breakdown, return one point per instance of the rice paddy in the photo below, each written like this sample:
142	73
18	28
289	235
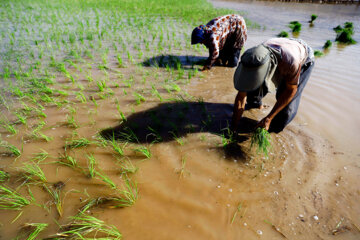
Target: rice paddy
62	63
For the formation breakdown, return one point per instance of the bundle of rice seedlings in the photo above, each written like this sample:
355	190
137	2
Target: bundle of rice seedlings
283	34
84	226
35	229
3	176
10	199
318	53
327	44
261	138
295	26
313	18
344	34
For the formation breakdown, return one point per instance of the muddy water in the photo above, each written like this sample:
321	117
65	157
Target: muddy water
192	187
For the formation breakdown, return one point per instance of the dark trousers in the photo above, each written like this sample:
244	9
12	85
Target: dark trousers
287	114
229	55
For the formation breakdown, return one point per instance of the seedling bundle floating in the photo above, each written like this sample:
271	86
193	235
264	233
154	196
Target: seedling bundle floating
344	34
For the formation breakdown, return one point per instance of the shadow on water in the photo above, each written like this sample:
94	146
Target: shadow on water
171	121
175	62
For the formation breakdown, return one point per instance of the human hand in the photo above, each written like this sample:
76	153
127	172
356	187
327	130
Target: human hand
206	67
264	123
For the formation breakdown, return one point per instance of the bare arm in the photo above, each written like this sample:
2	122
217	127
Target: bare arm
213	54
239	107
284	99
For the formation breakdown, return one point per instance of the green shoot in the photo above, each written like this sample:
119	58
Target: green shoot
41	156
143	150
262	139
105	179
327	44
10	199
84	225
36	228
77	143
238	209
33	172
283	34
313	18
91	165
295	26
127	167
4	176
11	148
55	194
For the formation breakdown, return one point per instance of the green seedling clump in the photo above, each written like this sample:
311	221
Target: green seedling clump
295	26
262	140
327	44
344	34
318	53
283	34
313	18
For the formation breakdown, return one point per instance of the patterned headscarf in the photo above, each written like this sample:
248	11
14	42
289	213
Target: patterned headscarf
198	34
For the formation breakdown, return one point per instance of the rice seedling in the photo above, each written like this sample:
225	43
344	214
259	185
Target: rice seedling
68	161
183	170
143	150
34	229
84	225
261	138
139	98
129	193
81	97
318	53
4	176
283	34
227	137
155	92
120	61
55	193
101	84
41	156
77	143
91	165
105	179
238	210
33	172
295	26
11	148
22	119
327	44
127	167
8	127
11	200
344	34
179	140
313	18
119	150
71	122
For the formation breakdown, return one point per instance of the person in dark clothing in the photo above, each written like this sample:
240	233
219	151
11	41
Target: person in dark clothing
224	37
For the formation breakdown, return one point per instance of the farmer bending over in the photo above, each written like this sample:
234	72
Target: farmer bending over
224	37
279	63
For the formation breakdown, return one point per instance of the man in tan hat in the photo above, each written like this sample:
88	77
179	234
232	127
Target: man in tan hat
279	63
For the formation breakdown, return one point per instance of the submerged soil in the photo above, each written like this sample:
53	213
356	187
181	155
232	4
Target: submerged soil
192	186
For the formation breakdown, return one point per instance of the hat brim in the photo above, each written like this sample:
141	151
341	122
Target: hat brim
247	79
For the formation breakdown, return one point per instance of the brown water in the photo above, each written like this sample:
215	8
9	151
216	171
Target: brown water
191	188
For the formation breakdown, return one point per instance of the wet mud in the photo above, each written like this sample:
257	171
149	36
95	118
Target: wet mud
192	183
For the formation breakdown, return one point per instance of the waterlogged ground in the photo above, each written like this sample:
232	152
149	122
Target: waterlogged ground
117	133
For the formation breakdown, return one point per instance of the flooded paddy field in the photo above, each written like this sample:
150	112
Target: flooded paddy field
109	129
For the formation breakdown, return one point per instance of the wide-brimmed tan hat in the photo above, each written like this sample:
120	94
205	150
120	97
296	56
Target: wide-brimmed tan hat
253	68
